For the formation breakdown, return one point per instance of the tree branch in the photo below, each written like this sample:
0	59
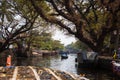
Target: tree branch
52	19
65	15
92	3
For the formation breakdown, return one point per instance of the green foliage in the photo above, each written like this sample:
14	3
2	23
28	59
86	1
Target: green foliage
90	21
44	41
56	45
81	45
6	11
96	25
78	45
18	17
24	8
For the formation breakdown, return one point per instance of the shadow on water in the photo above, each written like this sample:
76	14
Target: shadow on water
68	65
33	61
97	74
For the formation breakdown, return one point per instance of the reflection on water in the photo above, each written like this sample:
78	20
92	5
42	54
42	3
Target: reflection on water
64	64
55	62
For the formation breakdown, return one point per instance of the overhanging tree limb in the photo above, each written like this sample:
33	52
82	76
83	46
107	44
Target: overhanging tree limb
50	18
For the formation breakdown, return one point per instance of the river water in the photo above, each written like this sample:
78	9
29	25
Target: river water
69	65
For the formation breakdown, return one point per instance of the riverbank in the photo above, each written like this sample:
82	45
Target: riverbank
36	73
43	53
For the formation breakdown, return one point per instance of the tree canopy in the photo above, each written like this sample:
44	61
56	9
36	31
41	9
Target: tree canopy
15	21
91	21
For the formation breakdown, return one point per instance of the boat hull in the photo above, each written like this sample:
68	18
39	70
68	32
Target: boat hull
64	57
116	68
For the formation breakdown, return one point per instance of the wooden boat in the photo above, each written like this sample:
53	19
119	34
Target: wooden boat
36	73
64	56
116	68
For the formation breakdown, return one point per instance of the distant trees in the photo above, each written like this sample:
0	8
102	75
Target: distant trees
80	45
56	45
44	41
91	21
76	47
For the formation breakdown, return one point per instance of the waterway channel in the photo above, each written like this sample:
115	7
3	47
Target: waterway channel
69	65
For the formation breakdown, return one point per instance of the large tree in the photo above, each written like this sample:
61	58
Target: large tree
14	22
91	21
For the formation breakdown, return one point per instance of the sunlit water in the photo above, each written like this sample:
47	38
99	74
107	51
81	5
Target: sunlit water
69	65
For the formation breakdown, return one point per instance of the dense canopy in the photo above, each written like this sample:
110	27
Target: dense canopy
91	21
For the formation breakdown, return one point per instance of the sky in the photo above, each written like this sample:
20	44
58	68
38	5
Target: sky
59	35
